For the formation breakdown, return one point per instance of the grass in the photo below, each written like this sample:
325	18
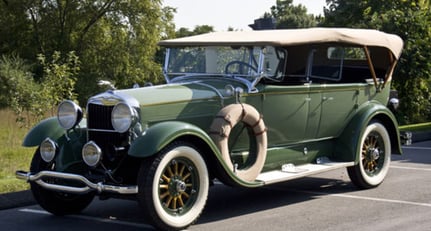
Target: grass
416	127
12	155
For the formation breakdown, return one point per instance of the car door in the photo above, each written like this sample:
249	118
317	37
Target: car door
285	112
332	70
338	105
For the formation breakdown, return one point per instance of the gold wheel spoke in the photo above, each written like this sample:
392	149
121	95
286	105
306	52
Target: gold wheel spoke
164	195
374	142
182	170
186	195
174	204
163	186
180	201
176	168
186	176
169	170
166	179
168	201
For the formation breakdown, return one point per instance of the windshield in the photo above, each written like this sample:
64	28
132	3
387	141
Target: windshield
249	63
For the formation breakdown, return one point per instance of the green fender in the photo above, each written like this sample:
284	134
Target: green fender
52	129
348	143
46	128
69	152
159	135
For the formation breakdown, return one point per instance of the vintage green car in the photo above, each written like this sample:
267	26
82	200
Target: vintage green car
247	108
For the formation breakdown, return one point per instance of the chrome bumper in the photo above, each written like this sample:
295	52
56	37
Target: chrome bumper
89	186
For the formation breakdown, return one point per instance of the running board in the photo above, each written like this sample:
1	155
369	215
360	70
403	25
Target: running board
290	171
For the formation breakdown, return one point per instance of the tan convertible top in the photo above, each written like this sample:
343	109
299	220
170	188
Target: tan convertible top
364	37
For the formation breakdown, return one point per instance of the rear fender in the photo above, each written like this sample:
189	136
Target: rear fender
348	144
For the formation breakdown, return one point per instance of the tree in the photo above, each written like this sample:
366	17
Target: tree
184	32
410	20
115	40
289	16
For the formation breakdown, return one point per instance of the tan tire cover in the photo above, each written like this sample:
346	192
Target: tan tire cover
221	127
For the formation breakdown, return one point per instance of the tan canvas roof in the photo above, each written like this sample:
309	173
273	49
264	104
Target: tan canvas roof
364	37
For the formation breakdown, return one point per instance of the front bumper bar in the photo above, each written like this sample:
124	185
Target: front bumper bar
89	186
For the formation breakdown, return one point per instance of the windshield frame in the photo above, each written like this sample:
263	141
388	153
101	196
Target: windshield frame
250	80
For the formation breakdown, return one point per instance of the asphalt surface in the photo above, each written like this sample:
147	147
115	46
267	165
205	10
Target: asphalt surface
25	198
16	199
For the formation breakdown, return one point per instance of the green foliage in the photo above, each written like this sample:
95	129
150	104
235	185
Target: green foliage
289	16
59	78
32	100
17	87
115	40
410	20
184	32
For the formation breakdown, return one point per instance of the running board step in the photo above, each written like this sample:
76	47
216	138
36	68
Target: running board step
290	171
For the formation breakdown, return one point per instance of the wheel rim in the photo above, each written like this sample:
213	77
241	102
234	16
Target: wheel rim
178	186
373	154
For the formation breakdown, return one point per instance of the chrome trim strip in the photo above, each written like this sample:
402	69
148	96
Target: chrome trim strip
90	186
101	130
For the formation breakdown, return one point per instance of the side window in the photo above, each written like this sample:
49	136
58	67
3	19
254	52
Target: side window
339	64
275	62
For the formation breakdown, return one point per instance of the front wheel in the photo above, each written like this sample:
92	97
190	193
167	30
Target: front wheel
374	157
57	203
173	186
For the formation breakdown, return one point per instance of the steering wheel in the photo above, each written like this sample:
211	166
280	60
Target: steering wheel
241	67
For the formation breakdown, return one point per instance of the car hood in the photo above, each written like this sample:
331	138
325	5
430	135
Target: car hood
161	94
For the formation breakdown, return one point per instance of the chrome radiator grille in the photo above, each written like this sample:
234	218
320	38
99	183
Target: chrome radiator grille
99	117
101	132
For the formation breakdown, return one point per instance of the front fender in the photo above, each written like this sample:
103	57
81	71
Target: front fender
348	143
159	135
48	128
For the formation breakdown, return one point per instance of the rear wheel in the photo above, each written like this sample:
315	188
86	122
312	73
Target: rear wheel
57	203
173	186
374	157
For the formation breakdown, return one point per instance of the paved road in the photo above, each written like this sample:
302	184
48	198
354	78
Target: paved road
324	202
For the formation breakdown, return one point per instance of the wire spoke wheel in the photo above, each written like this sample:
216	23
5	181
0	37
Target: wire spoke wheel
173	186
178	185
372	151
374	157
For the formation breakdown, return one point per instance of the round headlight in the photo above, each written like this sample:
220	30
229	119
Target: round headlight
91	154
123	117
47	150
69	114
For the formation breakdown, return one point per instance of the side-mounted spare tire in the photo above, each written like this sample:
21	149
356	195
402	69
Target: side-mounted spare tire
221	128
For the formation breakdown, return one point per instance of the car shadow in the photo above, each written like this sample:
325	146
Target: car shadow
227	202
